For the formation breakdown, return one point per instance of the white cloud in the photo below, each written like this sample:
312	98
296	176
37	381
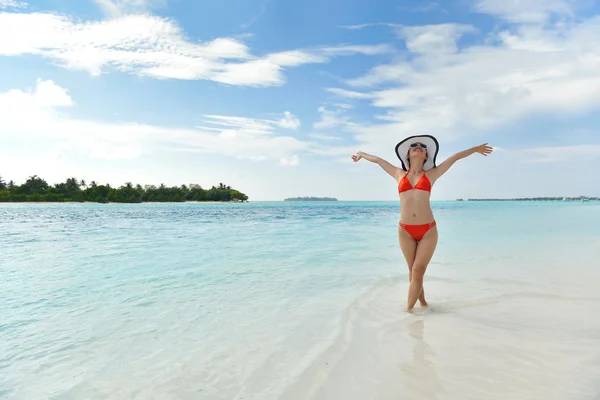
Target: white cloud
289	121
526	11
379	74
39	116
263	72
362	26
553	154
12	4
148	45
290	161
332	119
349	94
257	16
433	39
47	95
463	91
116	8
429	8
368	50
430	39
250	126
324	137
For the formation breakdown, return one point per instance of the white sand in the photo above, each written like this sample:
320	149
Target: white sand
521	346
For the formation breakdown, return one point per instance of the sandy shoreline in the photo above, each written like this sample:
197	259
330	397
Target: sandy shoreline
143	302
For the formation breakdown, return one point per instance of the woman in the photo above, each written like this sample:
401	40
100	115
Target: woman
417	229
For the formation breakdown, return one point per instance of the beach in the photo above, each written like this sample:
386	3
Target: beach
297	300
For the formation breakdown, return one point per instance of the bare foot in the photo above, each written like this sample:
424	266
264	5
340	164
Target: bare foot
424	304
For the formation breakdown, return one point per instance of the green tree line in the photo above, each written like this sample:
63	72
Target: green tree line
37	189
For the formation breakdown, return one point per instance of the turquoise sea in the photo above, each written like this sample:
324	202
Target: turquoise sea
282	300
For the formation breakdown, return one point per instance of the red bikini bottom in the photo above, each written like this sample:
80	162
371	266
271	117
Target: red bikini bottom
417	231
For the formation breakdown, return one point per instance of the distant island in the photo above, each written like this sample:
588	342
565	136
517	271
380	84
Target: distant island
311	199
579	198
36	189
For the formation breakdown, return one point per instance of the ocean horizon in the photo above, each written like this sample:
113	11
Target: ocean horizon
297	300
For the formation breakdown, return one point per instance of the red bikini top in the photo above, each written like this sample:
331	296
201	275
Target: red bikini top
423	184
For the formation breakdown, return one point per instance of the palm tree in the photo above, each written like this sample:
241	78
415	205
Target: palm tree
72	185
2	184
36	184
11	185
82	183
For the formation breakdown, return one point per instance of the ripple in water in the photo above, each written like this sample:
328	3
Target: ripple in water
275	300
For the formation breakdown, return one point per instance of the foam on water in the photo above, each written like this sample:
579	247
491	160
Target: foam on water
296	301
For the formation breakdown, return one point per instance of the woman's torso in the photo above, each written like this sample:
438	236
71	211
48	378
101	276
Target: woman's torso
415	208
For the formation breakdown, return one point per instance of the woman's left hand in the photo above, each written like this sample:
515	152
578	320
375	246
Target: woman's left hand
484	149
358	156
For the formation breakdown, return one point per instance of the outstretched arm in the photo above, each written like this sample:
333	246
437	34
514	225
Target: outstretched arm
395	172
441	169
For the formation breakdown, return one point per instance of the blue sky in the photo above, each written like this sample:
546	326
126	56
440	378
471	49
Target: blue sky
273	97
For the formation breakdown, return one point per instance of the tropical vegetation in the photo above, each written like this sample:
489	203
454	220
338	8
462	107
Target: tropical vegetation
36	189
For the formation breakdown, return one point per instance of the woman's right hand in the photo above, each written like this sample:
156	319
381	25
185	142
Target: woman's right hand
357	156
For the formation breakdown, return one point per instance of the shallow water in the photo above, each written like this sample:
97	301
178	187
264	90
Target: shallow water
287	300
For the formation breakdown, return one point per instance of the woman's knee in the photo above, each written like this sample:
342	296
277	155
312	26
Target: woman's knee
417	273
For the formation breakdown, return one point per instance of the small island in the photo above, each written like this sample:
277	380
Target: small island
579	198
311	199
36	189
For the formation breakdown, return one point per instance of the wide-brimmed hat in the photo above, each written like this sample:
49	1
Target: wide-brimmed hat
432	150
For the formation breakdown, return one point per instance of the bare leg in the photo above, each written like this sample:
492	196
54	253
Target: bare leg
425	249
408	245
